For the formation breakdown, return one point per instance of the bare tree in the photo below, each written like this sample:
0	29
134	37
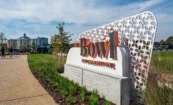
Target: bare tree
2	39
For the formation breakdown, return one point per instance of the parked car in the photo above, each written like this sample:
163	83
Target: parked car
156	48
169	47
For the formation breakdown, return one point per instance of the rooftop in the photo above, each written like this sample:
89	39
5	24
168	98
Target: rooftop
24	37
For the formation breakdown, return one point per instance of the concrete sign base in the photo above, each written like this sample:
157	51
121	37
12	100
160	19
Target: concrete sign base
111	87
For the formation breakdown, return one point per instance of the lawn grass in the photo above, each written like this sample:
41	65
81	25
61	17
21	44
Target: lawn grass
40	61
163	61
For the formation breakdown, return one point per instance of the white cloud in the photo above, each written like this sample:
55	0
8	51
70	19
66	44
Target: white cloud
148	4
75	11
69	11
164	18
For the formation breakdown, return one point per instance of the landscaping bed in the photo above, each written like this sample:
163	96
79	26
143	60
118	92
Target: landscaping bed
65	92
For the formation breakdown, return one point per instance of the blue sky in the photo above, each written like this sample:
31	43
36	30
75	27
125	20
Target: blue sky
40	17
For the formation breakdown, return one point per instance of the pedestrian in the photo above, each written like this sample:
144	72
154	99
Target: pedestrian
3	52
11	52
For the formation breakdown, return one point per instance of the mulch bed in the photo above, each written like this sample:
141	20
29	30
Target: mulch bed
61	100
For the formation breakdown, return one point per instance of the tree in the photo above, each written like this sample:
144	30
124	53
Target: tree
28	46
60	42
169	40
162	42
2	39
21	47
33	47
44	44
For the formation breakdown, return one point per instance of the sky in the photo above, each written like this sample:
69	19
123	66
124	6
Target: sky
40	17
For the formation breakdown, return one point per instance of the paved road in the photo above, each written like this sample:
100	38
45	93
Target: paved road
18	86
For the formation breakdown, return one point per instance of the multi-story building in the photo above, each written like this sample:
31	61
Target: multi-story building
25	42
34	41
40	41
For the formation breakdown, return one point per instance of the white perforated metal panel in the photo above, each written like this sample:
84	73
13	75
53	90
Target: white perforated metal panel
138	33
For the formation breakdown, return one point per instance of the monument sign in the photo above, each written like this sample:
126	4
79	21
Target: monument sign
110	57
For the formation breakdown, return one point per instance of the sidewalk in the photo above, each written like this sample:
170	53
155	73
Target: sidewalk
18	86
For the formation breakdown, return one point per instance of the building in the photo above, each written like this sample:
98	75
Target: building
34	41
40	41
12	43
25	42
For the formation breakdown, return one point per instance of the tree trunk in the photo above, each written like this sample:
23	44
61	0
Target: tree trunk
61	56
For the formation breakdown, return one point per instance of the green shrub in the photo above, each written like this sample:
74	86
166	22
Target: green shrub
83	93
107	103
63	93
64	82
94	99
70	100
72	87
54	85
